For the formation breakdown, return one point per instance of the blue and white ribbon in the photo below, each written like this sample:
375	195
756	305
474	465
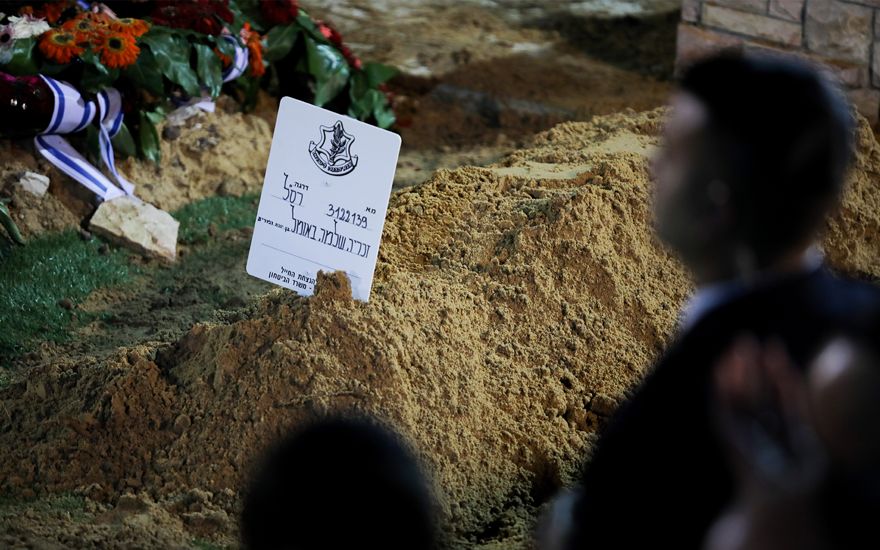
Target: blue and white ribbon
73	113
239	62
110	109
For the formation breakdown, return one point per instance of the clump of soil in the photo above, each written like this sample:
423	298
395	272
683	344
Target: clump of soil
32	214
513	307
223	153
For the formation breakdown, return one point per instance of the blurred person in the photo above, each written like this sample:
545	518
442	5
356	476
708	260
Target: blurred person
805	449
753	159
338	484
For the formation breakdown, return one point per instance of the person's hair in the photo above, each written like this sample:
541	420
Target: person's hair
338	483
781	136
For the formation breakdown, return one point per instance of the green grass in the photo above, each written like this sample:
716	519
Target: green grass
224	213
35	277
220	256
196	219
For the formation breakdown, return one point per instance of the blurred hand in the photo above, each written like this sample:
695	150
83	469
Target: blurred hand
764	423
764	419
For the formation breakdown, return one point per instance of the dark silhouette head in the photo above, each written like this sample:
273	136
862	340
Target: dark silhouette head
338	484
754	157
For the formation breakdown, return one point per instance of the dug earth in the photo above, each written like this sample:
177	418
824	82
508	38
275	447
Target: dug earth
513	307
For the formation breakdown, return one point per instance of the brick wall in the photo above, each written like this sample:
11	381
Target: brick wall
844	35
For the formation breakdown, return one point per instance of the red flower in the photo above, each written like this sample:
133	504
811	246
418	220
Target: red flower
333	36
205	16
330	33
279	12
351	58
50	11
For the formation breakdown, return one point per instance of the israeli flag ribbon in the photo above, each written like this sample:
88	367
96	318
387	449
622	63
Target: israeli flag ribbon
73	113
239	63
110	113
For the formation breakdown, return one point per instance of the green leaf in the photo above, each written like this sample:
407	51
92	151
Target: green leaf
249	87
306	23
95	76
384	116
90	58
149	138
369	102
144	73
247	11
93	145
9	225
330	70
377	73
52	69
94	81
373	104
359	86
22	62
279	42
123	143
156	116
172	53
209	69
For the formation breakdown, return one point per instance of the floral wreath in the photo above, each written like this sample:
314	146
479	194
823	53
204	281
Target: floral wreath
162	53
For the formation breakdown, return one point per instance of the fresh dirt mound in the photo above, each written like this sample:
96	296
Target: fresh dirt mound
513	306
852	240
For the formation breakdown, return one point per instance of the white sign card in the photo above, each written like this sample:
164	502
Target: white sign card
324	199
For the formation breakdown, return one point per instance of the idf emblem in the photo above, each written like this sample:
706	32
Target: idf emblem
333	155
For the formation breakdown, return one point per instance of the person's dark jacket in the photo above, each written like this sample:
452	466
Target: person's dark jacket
658	476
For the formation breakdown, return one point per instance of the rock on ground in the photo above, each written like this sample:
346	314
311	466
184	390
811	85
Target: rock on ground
133	223
33	183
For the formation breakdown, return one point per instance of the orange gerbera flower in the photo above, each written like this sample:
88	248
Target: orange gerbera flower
255	50
82	26
88	26
59	46
117	50
128	25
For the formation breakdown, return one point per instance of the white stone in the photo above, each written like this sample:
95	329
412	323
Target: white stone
180	115
140	226
36	184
